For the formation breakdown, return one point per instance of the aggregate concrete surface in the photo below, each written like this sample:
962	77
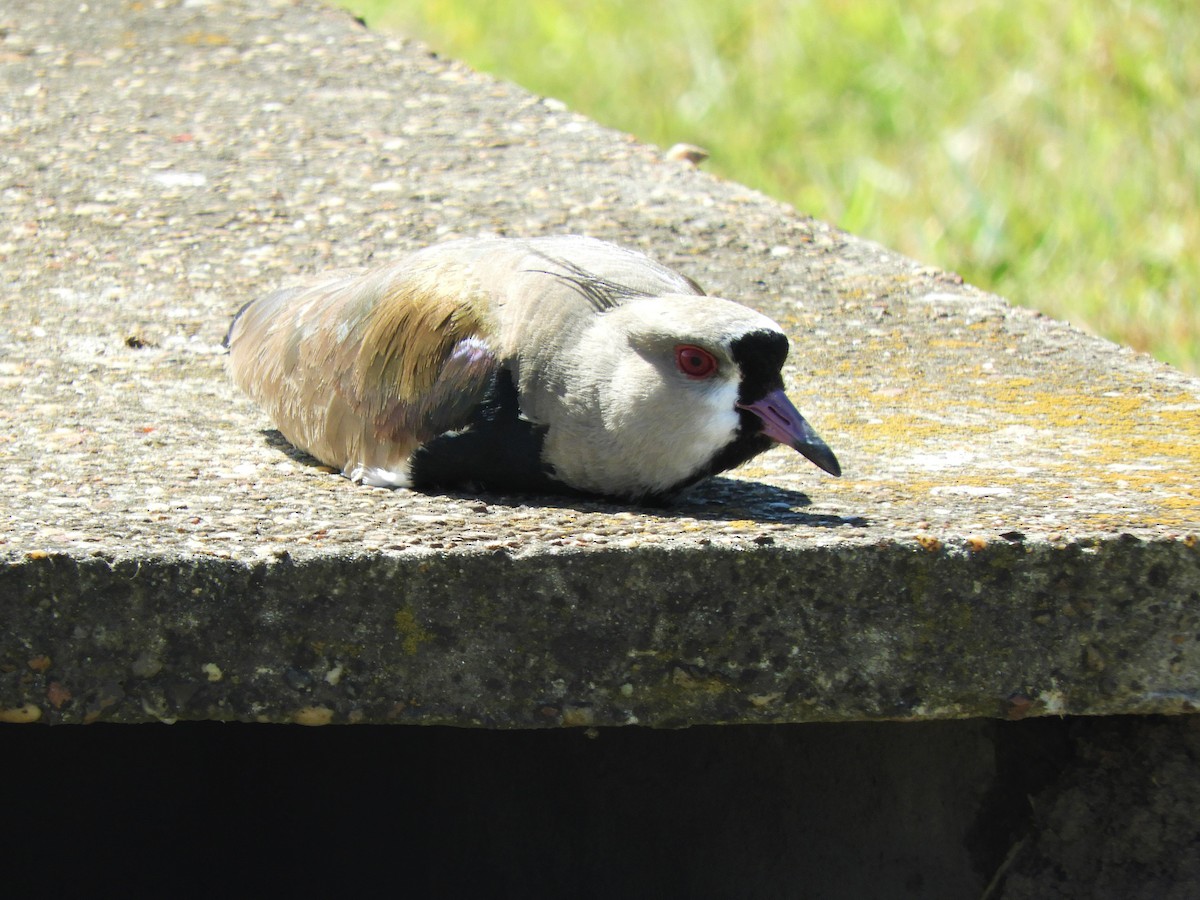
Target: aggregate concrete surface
1015	533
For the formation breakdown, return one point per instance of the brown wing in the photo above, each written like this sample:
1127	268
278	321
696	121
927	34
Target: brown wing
359	369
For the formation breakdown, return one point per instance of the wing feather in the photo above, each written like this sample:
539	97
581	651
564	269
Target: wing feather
359	369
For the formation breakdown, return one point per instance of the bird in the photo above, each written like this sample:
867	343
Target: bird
548	365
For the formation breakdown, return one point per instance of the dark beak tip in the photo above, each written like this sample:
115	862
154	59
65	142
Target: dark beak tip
821	457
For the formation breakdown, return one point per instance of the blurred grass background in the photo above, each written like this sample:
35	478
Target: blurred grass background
1047	150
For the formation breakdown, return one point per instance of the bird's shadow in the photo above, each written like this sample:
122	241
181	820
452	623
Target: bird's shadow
716	499
721	498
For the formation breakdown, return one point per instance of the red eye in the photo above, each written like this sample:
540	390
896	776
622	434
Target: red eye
695	362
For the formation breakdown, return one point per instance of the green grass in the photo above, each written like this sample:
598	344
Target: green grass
1047	150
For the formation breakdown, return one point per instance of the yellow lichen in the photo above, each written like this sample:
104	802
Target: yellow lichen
410	630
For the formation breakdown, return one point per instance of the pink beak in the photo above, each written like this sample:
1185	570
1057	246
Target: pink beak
782	422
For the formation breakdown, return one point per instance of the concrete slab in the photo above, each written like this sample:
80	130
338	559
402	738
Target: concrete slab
1015	534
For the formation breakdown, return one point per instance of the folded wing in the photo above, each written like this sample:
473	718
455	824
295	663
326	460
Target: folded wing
359	369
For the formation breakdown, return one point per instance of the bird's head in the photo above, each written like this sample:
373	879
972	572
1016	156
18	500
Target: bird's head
687	386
